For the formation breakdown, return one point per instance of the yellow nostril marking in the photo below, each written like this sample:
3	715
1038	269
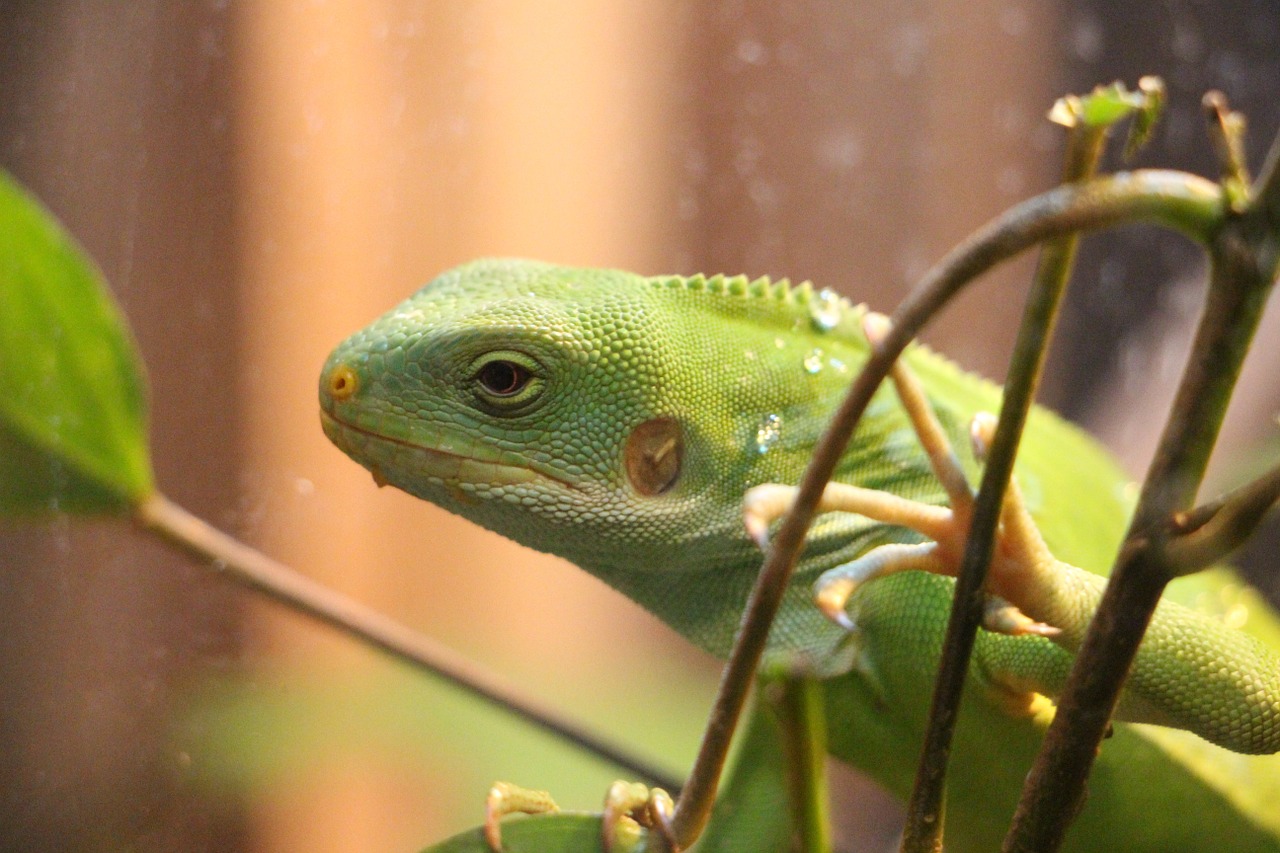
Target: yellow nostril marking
343	383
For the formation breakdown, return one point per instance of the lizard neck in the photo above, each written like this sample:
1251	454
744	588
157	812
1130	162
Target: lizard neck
705	603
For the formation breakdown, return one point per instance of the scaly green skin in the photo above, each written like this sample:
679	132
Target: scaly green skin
746	373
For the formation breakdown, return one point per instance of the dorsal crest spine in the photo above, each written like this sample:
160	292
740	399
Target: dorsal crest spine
798	298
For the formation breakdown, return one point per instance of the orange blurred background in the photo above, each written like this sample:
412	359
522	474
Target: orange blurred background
259	179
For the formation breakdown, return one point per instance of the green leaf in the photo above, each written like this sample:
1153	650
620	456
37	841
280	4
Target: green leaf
1107	105
72	410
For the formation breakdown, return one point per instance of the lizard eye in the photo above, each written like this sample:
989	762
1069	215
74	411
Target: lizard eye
504	378
507	382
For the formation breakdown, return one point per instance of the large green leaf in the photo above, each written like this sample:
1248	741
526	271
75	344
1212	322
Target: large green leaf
72	413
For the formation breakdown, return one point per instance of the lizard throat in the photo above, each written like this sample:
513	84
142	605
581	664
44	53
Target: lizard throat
387	456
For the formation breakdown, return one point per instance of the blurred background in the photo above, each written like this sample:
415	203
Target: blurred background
259	179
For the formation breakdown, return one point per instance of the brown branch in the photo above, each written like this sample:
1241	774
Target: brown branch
238	562
1207	534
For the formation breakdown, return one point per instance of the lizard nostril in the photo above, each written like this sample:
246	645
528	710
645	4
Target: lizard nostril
343	383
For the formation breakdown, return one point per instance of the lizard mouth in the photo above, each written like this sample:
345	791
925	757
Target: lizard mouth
466	463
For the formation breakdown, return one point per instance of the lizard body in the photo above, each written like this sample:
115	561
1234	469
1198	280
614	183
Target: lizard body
617	421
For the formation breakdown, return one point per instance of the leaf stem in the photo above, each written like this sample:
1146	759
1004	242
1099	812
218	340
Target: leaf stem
252	569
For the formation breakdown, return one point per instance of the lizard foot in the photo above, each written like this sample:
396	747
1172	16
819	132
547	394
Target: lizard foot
631	811
1021	546
504	799
630	808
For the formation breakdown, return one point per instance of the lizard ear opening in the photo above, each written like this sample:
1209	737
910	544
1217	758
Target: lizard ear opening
653	455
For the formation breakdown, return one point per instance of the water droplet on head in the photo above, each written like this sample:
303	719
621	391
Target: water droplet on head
825	310
768	432
813	362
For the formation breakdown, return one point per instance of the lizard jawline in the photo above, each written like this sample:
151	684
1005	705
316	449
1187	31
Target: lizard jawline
451	468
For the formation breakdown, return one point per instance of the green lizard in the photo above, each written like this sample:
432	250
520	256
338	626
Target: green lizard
619	421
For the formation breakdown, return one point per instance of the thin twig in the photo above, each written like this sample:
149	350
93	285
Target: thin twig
1265	193
926	808
1176	199
1207	534
250	568
1226	133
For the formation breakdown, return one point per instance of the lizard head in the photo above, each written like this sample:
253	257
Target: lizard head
525	397
612	419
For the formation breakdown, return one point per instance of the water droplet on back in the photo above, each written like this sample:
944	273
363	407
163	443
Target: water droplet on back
813	362
824	310
768	433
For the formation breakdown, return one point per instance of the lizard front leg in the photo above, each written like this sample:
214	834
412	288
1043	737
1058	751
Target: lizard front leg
946	526
1192	671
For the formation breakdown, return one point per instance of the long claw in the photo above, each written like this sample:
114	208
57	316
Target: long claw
761	506
1001	617
1022	538
504	799
834	587
832	597
982	431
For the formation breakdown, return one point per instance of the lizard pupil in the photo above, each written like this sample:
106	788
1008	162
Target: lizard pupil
503	378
